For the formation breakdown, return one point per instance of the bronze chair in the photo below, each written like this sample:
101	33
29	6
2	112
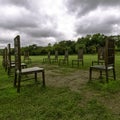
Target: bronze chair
26	57
3	57
18	71
4	61
47	60
65	60
79	58
55	60
101	56
109	61
10	63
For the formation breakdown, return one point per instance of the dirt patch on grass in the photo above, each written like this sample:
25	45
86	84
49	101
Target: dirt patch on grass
77	80
73	78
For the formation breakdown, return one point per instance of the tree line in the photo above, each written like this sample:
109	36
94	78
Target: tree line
89	43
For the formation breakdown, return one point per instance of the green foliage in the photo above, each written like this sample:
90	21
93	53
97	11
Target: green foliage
89	43
79	46
111	87
92	49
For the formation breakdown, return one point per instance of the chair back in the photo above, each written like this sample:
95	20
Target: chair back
56	55
8	55
101	54
48	54
17	53
80	54
110	52
26	55
4	57
66	55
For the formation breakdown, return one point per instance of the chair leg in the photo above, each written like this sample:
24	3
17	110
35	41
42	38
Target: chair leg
8	72
43	77
67	62
100	74
78	63
59	62
107	76
72	63
35	76
90	74
114	74
82	63
19	80
48	60
15	79
5	68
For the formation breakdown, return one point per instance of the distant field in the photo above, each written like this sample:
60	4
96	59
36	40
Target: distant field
67	96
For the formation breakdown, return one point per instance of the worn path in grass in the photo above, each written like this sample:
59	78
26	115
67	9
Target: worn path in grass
77	80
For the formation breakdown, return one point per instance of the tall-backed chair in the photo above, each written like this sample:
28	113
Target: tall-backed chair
4	60
109	61
100	57
26	57
10	63
79	58
19	71
47	60
65	60
55	60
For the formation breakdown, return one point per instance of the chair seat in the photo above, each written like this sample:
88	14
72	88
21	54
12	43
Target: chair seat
22	64
54	60
63	59
12	62
101	67
31	70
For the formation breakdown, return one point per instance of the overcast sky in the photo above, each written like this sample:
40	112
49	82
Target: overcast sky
48	21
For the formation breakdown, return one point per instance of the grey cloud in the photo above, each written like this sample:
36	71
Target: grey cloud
102	23
32	22
44	32
111	20
16	24
96	26
35	25
81	7
23	19
3	40
92	29
37	41
26	20
22	3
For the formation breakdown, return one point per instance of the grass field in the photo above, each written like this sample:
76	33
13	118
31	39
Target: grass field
67	95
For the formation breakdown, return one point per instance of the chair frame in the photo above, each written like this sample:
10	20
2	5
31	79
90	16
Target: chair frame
19	71
4	54
47	60
79	58
55	60
10	63
101	56
65	60
109	61
5	58
26	57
